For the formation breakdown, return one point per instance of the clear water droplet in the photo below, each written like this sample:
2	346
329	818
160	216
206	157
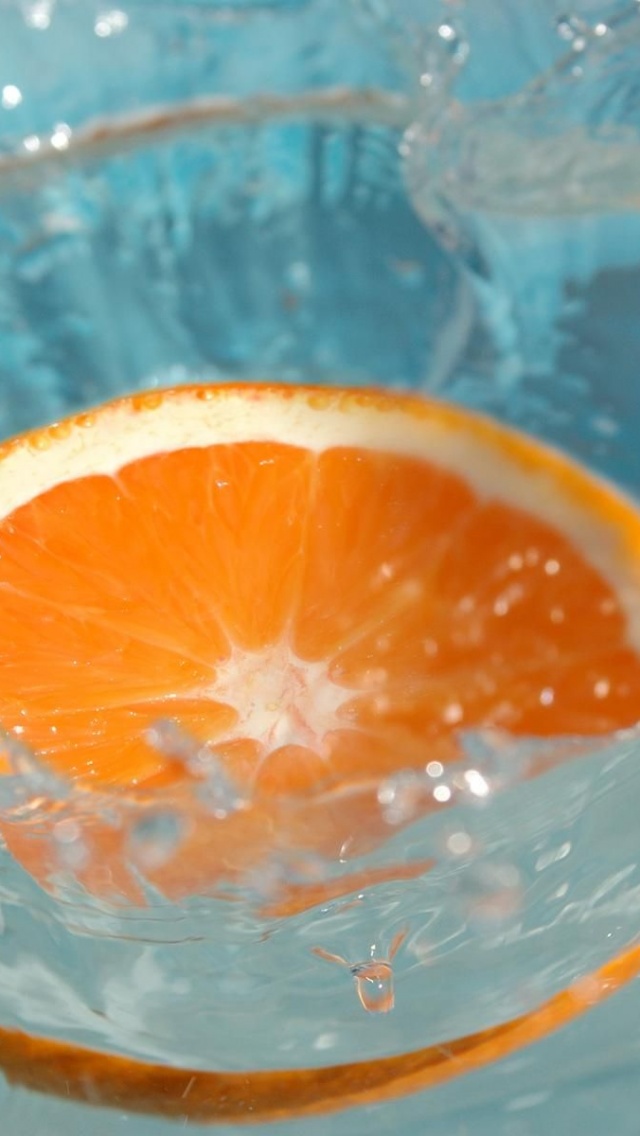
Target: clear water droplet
459	844
570	27
374	986
153	839
374	977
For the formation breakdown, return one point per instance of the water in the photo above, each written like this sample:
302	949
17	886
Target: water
451	209
533	189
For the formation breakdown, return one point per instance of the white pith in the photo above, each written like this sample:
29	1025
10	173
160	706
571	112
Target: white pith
284	700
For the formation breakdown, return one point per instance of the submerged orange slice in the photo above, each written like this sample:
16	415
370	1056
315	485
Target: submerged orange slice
324	586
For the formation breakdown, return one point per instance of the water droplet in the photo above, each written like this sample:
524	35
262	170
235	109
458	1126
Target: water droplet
500	759
552	567
61	136
435	769
374	677
373	978
11	96
569	27
374	986
547	696
466	605
71	849
459	844
402	797
476	783
298	276
453	713
38	14
111	23
153	839
442	794
602	688
447	32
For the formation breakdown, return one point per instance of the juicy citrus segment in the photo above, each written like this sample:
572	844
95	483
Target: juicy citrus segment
261	1096
325	587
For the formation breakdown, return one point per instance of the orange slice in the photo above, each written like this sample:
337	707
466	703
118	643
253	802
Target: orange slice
262	1096
321	588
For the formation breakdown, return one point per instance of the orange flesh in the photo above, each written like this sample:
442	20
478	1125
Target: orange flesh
415	609
322	619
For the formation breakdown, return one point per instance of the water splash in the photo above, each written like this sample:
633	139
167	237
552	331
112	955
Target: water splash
216	789
373	978
30	784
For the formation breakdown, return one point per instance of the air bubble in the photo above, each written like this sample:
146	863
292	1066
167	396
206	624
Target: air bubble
497	757
71	850
111	23
38	15
401	798
447	32
476	783
459	844
154	839
61	136
11	96
570	28
453	714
